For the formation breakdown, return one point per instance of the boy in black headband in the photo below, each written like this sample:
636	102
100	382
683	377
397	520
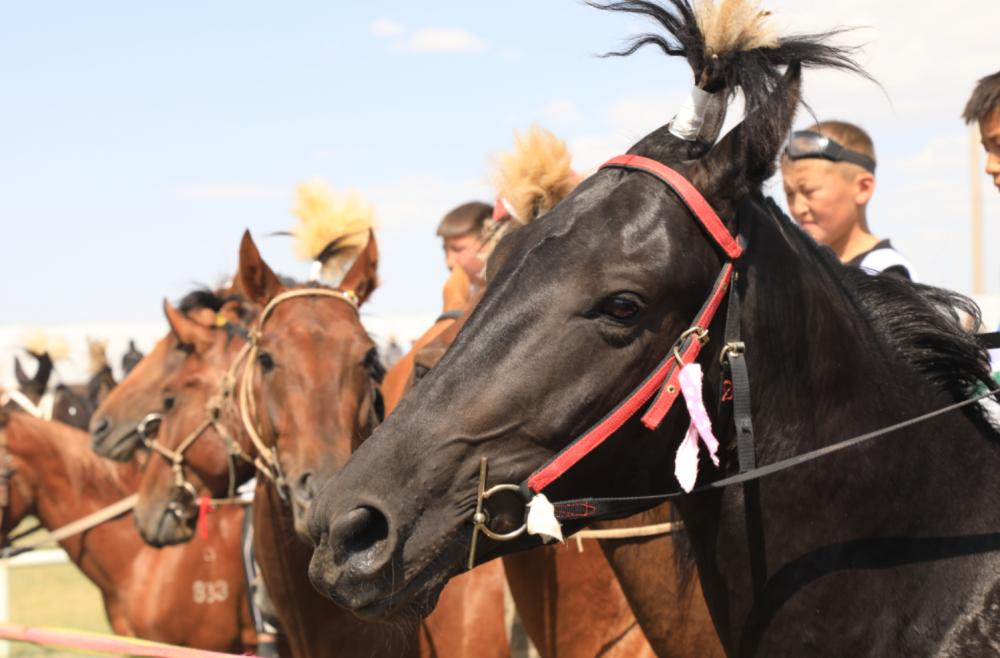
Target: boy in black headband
829	177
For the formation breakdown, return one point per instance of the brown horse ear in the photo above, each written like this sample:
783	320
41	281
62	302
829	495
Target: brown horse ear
187	330
255	279
362	278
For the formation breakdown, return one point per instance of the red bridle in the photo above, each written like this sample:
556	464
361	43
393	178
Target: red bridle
665	377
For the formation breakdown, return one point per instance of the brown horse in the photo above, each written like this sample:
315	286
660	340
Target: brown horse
551	585
113	426
307	618
192	595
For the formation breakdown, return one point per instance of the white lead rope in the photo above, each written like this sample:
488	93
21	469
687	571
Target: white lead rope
628	533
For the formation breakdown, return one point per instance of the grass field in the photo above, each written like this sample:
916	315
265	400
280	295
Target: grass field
55	596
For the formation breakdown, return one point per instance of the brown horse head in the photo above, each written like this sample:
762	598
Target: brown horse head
200	424
316	375
114	423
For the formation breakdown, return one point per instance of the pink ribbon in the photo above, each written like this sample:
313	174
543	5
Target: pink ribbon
686	462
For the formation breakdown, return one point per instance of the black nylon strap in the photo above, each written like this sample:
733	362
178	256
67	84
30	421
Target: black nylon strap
745	447
592	507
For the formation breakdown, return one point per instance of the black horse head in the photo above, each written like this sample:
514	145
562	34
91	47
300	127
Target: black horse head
584	303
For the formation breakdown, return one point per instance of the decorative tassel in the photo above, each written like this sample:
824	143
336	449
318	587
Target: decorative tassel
686	461
542	519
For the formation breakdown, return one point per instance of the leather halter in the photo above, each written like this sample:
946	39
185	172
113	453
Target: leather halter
664	379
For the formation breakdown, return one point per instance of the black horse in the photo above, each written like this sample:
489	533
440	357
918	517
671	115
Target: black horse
888	549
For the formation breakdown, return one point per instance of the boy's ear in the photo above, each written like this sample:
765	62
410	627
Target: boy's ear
864	187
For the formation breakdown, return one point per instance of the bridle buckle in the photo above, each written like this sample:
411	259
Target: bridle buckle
734	349
479	519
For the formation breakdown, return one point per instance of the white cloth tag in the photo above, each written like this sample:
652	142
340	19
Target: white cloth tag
542	519
691	116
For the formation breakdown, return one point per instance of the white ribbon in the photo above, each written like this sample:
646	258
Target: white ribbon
691	116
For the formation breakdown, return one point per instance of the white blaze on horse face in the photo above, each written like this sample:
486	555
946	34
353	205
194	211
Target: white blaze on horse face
542	519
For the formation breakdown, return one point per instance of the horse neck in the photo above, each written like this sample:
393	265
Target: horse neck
811	352
71	482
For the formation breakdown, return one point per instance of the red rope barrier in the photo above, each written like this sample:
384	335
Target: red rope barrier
114	644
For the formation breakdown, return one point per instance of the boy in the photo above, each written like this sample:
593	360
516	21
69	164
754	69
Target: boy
829	176
462	230
984	107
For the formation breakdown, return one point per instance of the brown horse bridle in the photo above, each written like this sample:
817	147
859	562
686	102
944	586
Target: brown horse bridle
247	403
184	494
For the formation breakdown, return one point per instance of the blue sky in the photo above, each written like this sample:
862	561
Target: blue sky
139	140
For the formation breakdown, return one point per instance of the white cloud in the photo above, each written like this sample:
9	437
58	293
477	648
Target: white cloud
417	203
383	27
561	113
231	192
445	40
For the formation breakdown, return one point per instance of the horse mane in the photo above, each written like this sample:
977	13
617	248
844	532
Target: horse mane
921	322
204	297
333	229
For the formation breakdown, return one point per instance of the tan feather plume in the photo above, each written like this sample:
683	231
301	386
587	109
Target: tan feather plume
325	216
536	175
734	25
37	342
98	357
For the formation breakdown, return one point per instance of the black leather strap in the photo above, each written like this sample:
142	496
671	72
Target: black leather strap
451	315
990	340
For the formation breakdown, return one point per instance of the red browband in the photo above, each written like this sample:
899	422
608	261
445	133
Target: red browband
665	377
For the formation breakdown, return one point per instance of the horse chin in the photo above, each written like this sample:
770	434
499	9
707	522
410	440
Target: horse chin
163	528
413	602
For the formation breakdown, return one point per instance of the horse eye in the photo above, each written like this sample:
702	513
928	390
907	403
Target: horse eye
620	309
168	402
265	361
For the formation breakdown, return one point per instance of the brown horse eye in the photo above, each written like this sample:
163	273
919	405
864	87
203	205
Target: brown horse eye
265	361
620	309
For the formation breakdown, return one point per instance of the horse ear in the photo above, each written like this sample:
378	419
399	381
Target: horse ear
741	162
22	379
362	277
255	279
187	330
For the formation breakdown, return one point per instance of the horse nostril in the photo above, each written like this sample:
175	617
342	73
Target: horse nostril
100	428
305	487
359	534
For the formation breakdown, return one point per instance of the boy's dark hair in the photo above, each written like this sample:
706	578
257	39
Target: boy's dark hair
985	99
467	218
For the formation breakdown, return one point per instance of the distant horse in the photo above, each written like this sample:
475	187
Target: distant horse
192	595
887	550
65	404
